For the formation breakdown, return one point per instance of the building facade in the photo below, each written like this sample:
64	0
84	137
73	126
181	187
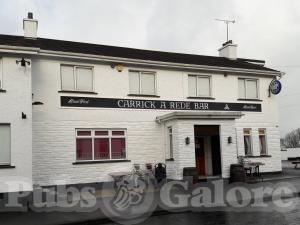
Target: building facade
76	112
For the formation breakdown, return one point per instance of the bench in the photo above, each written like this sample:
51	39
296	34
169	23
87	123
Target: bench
296	163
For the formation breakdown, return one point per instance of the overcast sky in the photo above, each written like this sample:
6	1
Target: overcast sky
268	30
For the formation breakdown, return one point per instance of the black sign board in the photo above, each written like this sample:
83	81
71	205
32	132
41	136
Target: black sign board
68	101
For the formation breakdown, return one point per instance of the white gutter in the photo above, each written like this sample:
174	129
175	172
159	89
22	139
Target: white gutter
108	59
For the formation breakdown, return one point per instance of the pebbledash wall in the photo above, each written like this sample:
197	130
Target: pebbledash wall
15	98
54	145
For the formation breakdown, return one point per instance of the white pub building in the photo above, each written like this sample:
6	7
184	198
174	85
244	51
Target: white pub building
76	112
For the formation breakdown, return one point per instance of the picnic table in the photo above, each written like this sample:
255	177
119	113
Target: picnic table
296	163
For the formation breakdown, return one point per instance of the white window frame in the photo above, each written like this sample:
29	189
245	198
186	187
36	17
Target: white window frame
245	79
197	80
265	136
140	72
93	137
251	140
170	142
75	77
7	163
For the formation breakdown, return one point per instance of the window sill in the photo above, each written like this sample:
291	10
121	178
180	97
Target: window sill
170	160
79	92
7	167
258	156
104	161
211	98
2	91
250	100
141	95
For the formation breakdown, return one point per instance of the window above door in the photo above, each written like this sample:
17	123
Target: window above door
199	86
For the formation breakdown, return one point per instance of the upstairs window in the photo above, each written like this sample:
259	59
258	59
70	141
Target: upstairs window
262	141
199	86
100	144
5	144
248	142
248	88
142	83
76	78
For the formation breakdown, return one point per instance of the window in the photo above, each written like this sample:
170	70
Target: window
100	144
248	88
199	86
170	138
4	144
248	142
262	141
143	83
76	78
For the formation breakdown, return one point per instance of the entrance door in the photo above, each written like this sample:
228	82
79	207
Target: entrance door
200	156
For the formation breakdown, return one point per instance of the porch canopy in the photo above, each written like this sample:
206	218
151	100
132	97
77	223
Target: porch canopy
199	115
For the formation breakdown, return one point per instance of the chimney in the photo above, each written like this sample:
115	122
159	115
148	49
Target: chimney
228	50
30	26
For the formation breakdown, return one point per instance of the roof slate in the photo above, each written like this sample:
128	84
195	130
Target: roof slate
131	53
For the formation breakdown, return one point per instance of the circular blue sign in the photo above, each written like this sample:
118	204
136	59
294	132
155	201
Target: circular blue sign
275	87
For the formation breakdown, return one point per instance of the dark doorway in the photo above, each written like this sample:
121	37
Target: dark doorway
207	150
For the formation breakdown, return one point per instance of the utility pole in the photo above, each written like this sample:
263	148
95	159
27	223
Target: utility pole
227	23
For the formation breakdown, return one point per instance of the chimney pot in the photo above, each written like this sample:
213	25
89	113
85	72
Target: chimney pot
30	15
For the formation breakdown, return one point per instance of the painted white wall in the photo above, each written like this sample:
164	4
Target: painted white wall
54	127
290	153
17	99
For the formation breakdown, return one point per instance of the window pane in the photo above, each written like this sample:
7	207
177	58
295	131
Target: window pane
84	133
84	149
134	83
242	88
118	132
4	144
84	80
262	145
247	144
148	84
203	86
67	78
118	150
101	148
101	133
192	86
251	89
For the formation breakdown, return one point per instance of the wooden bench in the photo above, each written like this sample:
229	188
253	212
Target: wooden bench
296	163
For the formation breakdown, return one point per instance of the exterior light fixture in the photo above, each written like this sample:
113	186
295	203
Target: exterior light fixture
23	62
37	103
229	140
24	116
119	67
187	140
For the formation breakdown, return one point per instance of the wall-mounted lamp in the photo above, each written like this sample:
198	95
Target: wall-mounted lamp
229	140
23	62
37	103
118	67
24	116
187	140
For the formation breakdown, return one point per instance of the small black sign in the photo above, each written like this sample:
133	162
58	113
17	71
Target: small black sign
68	101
